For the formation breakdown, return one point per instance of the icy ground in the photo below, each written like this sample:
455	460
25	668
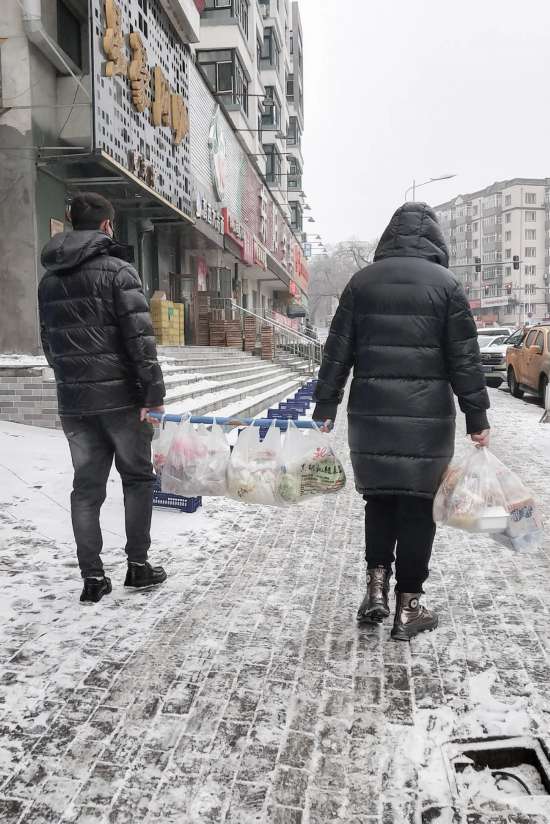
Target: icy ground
242	691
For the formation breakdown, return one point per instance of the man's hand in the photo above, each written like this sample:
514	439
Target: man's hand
325	426
144	413
481	438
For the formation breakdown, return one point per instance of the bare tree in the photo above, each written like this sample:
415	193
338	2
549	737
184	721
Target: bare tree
331	272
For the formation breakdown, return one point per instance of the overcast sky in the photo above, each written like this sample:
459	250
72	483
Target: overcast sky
397	90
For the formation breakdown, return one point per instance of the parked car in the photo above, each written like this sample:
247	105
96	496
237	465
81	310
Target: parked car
492	331
528	363
493	356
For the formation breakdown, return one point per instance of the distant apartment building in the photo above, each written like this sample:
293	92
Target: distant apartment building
251	53
499	242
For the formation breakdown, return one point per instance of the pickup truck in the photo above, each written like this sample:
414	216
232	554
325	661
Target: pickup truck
528	363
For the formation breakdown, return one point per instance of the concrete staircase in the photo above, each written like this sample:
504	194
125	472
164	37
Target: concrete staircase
227	382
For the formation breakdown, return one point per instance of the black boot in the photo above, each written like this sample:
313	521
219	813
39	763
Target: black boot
144	575
95	589
375	607
411	617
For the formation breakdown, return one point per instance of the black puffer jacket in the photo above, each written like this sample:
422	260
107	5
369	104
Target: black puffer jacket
405	327
96	328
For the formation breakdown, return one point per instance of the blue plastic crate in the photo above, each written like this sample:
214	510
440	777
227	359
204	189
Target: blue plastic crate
166	500
278	414
289	411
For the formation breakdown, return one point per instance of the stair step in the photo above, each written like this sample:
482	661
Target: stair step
213	401
238	381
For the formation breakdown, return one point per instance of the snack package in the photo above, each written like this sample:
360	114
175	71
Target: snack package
310	466
479	494
197	461
255	467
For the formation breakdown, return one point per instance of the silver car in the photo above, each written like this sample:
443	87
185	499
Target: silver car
493	356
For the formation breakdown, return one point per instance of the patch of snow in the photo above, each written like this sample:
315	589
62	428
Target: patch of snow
21	361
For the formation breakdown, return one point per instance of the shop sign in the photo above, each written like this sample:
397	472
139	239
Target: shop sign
218	154
293	289
233	228
205	211
260	255
248	248
487	303
141	168
475	303
168	109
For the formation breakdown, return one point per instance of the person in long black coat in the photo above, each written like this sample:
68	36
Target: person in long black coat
405	327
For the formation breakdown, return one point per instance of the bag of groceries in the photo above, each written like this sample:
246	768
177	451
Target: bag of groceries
196	463
255	466
162	438
479	494
309	465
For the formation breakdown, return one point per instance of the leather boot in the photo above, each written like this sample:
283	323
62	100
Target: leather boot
142	576
411	617
375	607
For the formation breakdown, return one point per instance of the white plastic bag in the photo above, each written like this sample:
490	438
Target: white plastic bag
310	466
197	461
479	494
254	470
162	438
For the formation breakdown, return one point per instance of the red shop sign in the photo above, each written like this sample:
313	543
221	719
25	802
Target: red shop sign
232	228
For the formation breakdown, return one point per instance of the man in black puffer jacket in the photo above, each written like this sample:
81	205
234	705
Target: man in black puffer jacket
405	328
98	337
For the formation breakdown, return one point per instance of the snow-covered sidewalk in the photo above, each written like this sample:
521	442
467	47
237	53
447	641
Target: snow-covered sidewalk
242	690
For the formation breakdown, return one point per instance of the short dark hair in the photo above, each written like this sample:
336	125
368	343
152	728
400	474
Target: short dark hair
88	210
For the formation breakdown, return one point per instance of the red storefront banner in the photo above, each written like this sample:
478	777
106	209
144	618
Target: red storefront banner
475	304
248	249
260	255
232	228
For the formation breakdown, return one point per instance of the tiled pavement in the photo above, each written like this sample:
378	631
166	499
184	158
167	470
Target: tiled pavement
243	691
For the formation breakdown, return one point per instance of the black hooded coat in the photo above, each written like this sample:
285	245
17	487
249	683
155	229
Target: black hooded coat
97	333
405	327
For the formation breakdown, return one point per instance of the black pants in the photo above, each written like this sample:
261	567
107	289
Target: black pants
94	441
400	528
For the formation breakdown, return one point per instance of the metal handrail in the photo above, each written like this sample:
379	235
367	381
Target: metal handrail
289	339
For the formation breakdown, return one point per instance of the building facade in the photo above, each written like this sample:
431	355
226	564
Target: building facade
107	96
499	242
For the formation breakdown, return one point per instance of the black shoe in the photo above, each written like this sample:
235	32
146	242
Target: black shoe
144	575
95	589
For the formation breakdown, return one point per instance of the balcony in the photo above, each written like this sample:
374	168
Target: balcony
492	246
185	17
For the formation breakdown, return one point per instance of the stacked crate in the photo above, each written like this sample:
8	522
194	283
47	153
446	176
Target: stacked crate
268	344
160	314
249	334
204	319
233	334
217	333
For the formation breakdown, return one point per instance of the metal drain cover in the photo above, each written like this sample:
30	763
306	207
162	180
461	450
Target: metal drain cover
483	772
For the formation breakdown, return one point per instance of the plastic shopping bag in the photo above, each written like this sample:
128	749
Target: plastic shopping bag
162	439
254	470
479	494
310	466
197	461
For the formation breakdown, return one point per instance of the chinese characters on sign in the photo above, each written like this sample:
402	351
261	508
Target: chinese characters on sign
205	211
141	168
168	109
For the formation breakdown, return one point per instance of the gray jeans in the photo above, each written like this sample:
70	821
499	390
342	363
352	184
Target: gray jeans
94	441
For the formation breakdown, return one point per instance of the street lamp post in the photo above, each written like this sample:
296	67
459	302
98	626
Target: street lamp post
416	185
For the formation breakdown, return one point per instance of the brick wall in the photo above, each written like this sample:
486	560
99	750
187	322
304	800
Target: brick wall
28	395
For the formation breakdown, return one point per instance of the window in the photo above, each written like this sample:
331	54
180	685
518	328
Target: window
508	218
508	271
530	289
273	163
232	8
531	337
476	243
531	198
475	210
69	34
508	254
290	87
294	174
531	271
226	76
475	226
292	44
508	200
294	134
296	217
272	115
508	236
271	52
530	234
530	251
259	54
530	217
